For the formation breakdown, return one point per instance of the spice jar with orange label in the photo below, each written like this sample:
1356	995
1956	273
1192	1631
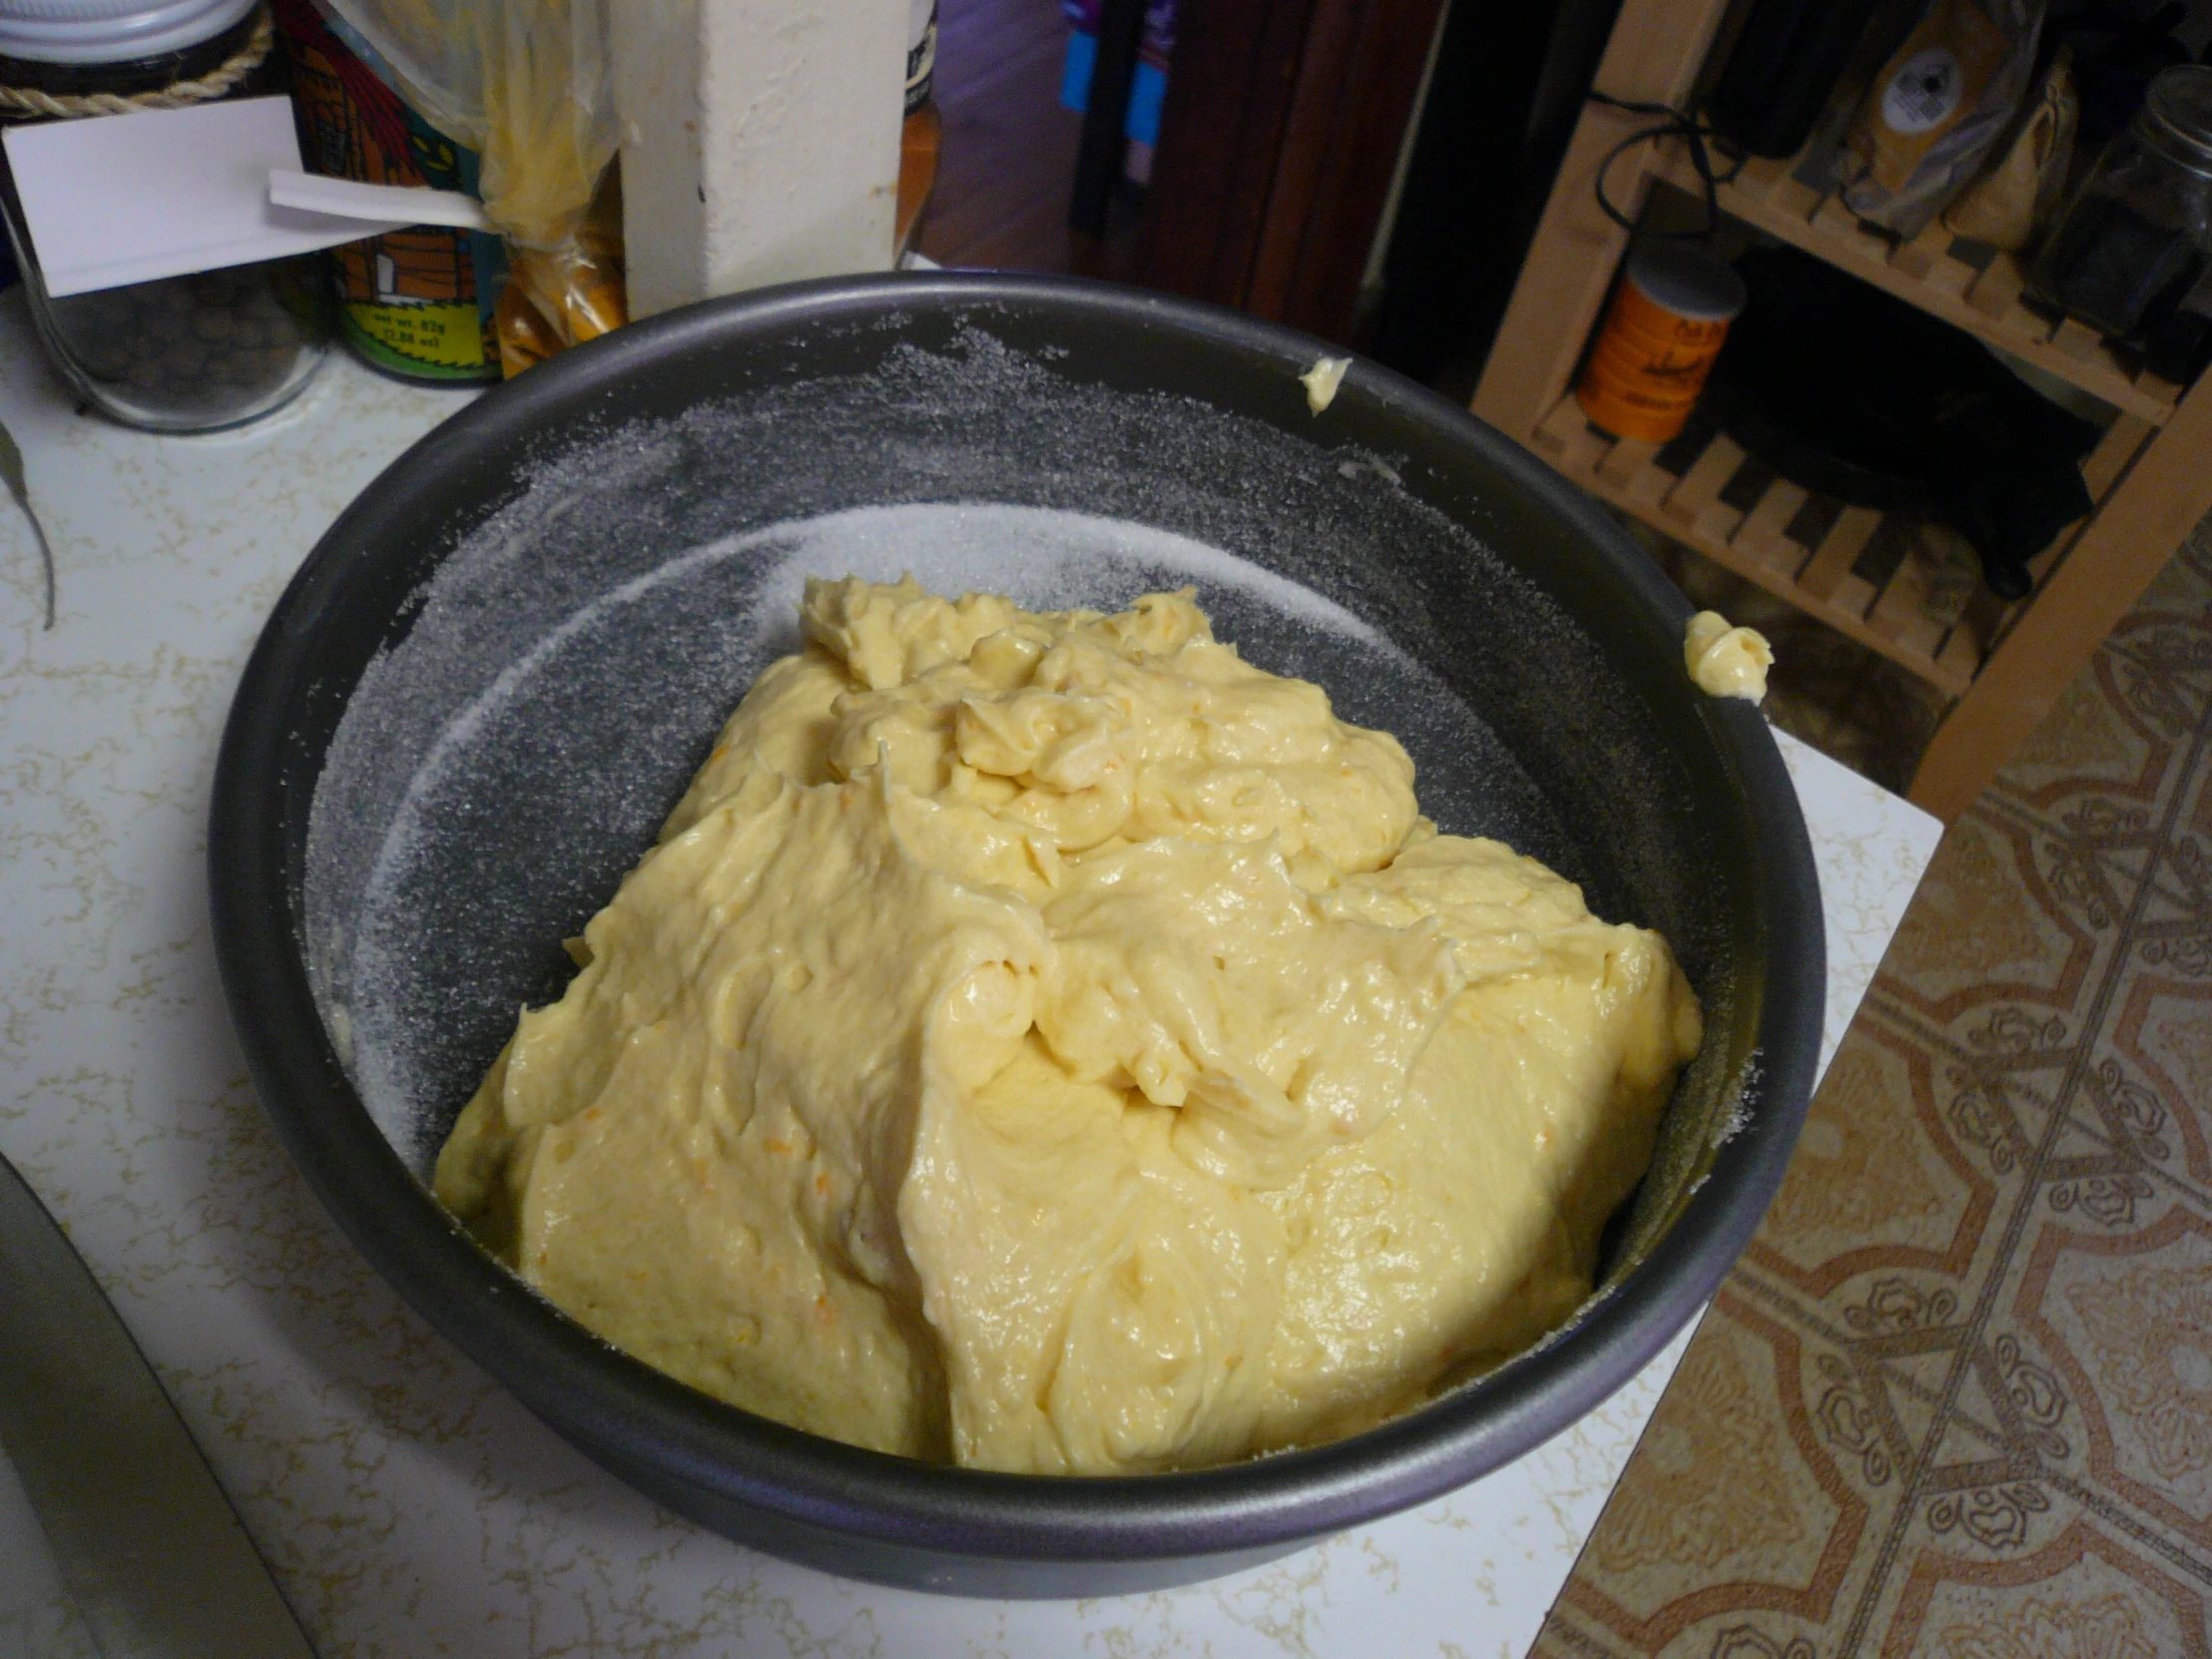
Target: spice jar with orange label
1669	317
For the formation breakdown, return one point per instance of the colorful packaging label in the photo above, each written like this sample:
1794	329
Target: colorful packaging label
921	51
1648	366
415	302
1148	87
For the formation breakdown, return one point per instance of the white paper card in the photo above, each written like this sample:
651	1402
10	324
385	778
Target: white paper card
122	199
350	198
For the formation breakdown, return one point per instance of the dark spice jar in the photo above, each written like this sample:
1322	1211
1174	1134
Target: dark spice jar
181	353
2138	232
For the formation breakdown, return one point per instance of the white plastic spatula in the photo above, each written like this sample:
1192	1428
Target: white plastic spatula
380	204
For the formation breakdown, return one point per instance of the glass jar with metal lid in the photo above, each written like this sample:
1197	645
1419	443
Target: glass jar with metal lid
181	353
2139	231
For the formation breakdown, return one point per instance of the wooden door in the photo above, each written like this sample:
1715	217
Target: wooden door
1281	132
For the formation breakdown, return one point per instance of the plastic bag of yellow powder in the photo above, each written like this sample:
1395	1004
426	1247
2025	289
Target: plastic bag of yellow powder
528	84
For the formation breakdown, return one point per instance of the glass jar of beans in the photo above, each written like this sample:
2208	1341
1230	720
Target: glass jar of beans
183	353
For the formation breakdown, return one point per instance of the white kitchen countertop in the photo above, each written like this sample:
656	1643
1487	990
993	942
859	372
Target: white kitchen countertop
408	1504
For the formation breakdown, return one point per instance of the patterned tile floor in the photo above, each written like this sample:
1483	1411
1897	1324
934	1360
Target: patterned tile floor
1957	1401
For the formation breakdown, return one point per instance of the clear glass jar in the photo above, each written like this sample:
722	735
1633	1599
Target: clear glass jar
2138	232
181	354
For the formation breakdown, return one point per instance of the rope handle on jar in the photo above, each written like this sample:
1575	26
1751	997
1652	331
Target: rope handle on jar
176	96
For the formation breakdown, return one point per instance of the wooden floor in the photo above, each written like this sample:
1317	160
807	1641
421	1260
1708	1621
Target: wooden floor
1008	158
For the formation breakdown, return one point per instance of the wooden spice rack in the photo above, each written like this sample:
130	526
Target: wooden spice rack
1977	290
1862	574
1807	548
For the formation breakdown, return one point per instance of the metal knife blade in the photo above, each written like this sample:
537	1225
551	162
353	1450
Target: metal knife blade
149	1548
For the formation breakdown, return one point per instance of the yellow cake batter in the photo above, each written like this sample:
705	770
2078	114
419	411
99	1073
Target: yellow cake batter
1050	1043
1726	661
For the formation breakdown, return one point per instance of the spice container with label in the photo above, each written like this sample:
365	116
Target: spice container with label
1666	326
2138	233
181	353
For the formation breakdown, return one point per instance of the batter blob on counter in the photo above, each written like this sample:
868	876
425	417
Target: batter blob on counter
1048	1042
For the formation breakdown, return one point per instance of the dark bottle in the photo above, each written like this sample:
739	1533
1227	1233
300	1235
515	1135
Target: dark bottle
2179	347
2135	238
1786	62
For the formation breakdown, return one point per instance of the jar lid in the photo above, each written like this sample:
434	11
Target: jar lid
2177	114
1687	280
111	31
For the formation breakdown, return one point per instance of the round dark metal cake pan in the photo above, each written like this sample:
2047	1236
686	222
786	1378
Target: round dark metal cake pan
500	666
